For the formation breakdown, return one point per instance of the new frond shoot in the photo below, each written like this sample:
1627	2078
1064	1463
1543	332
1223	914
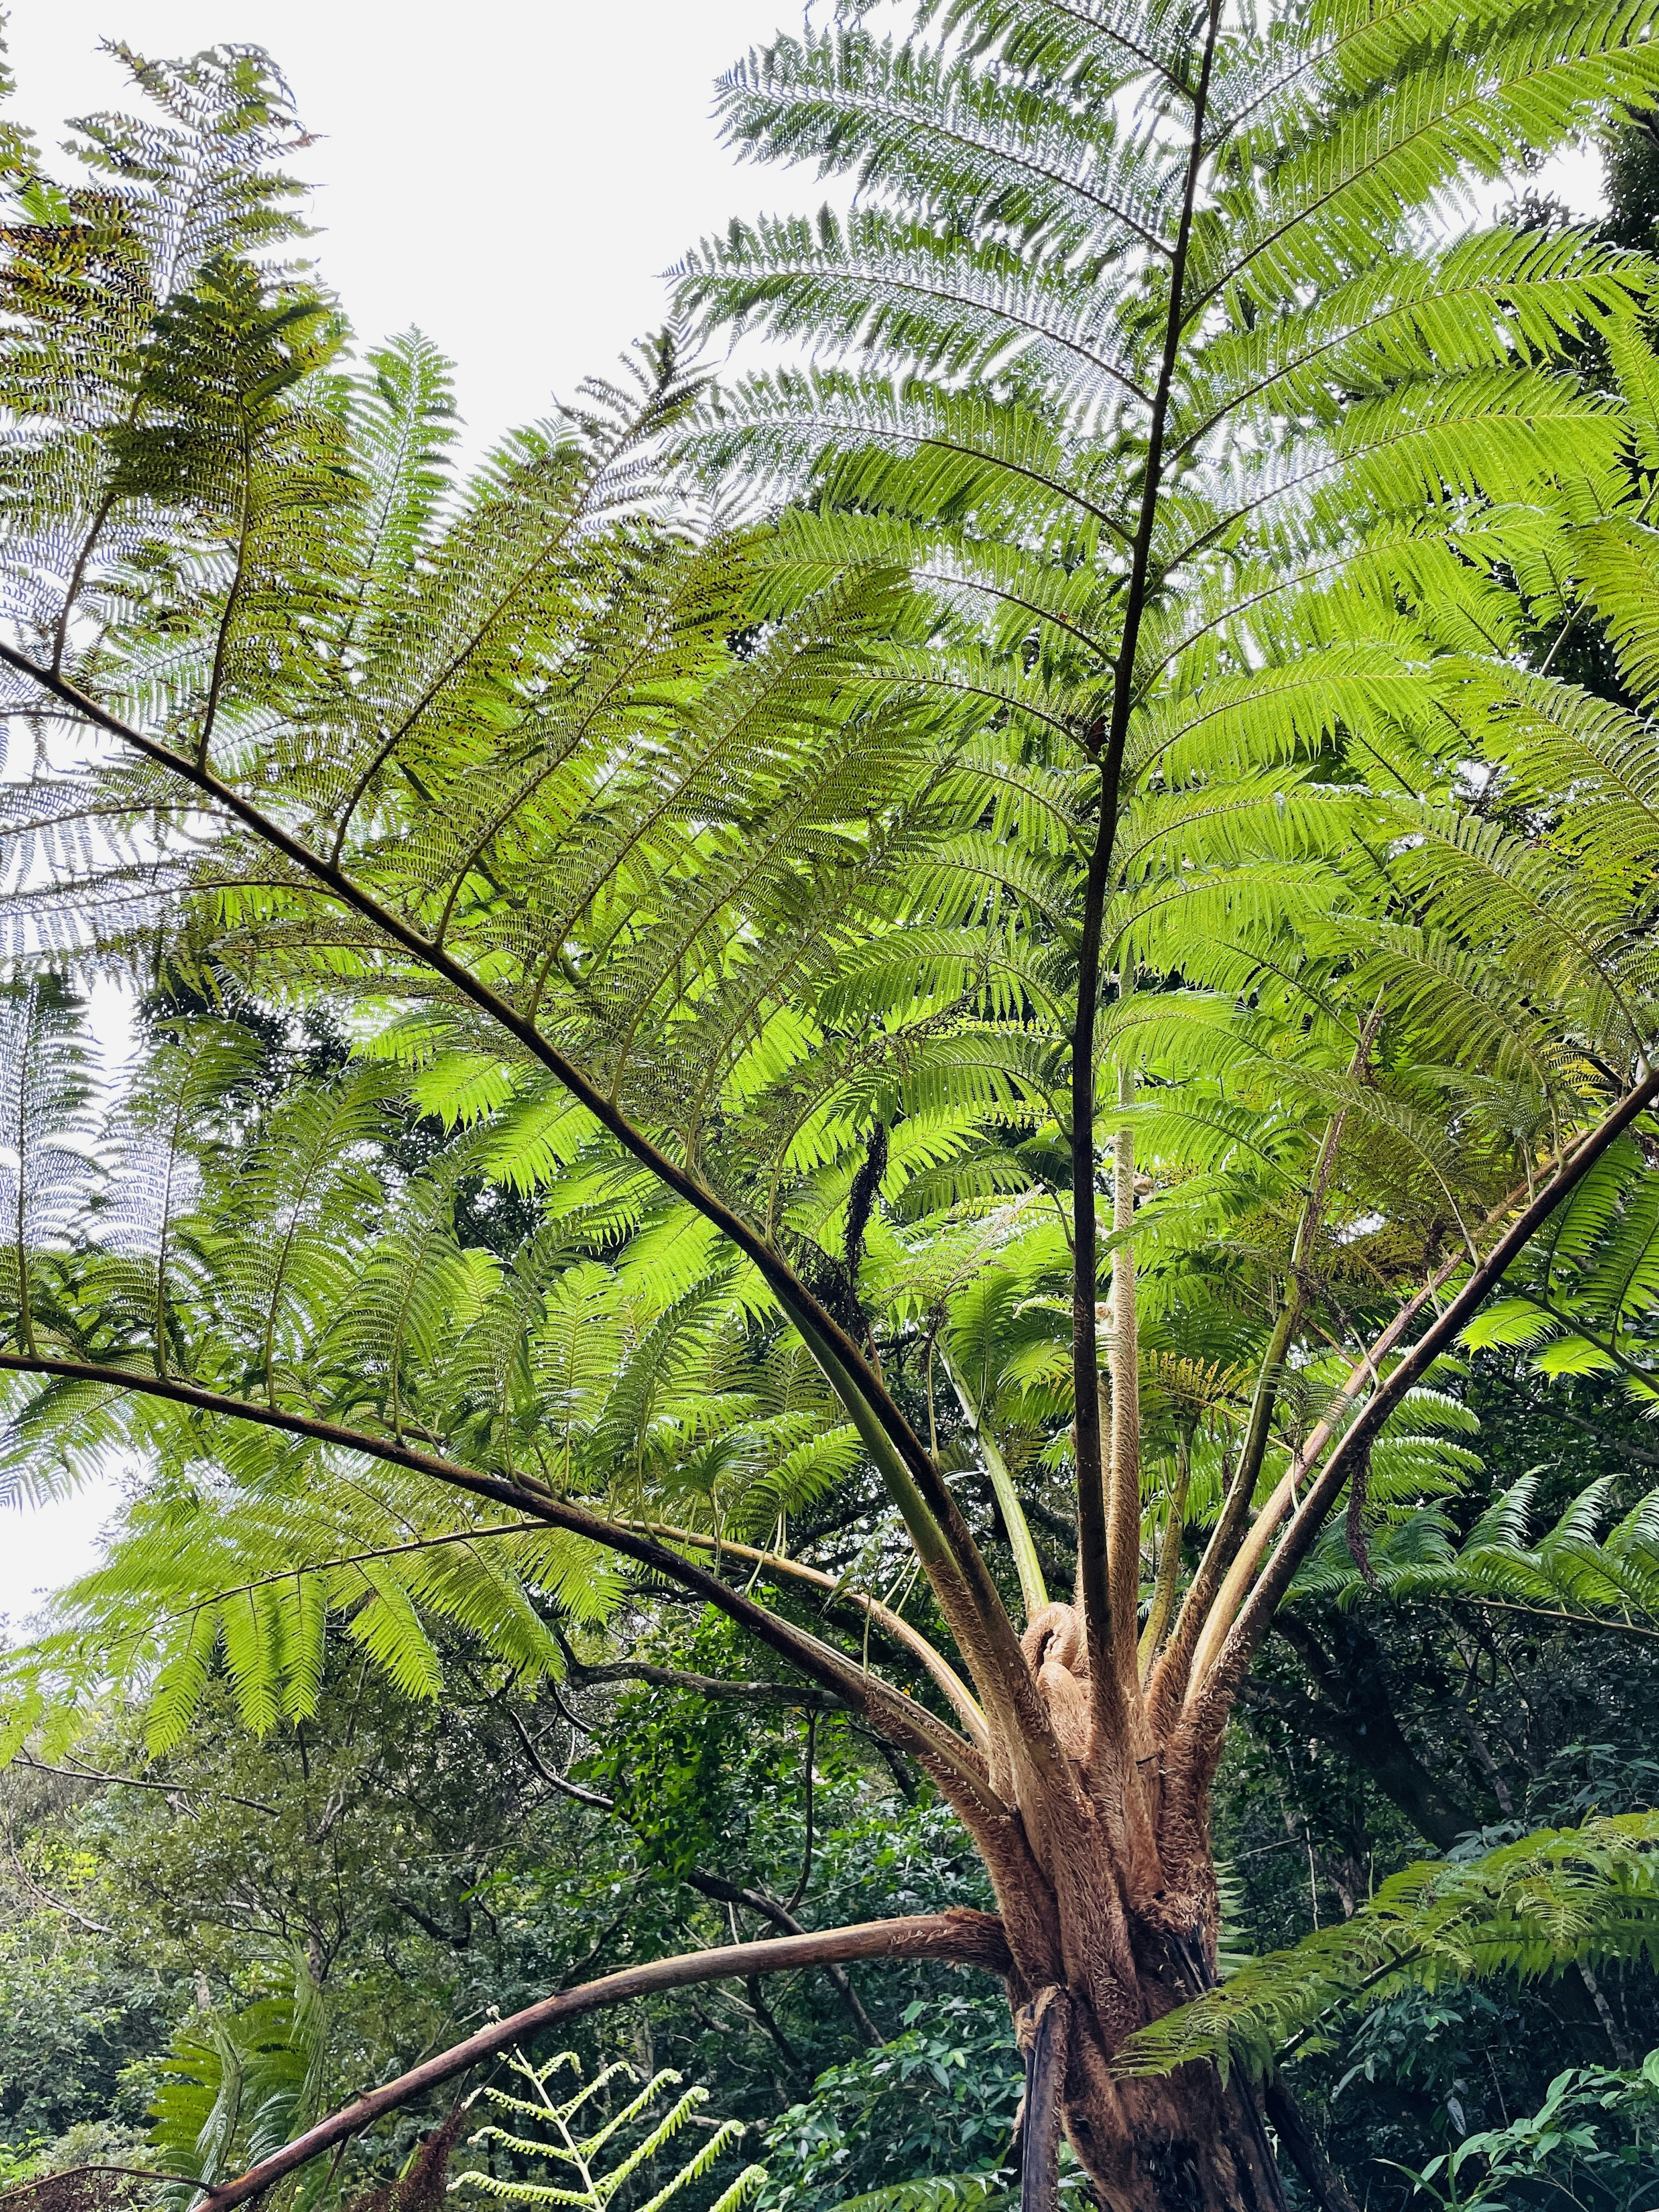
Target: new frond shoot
593	2143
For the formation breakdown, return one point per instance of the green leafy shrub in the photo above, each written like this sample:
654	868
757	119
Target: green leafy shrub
1595	2141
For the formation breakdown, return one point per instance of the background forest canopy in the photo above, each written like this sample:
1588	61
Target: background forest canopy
877	1286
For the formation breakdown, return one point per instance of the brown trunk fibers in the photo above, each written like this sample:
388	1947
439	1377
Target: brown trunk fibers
1112	1922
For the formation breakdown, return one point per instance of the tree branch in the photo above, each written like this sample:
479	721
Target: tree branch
961	1937
756	1901
704	1685
715	1886
551	1776
79	1773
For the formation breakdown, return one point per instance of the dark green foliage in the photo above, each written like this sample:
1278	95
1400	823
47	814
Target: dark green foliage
77	2017
939	2099
1593	2139
1633	180
420	1871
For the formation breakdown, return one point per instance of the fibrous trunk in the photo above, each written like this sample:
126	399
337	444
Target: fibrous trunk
1107	1887
1183	2142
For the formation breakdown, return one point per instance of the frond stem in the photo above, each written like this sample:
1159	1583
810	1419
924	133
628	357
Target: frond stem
892	1624
1123	1359
1106	1690
1310	1516
955	1763
233	607
1033	1590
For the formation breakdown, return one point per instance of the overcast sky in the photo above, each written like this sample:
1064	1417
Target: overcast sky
512	175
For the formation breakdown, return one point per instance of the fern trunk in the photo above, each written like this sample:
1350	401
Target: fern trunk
1107	1885
1189	2143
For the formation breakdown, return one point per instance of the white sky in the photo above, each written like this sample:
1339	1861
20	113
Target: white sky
513	177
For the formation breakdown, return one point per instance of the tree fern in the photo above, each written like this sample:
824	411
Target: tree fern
231	2089
1528	1909
1593	1566
1082	909
43	1099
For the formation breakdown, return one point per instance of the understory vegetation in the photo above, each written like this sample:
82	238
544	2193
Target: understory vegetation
875	1275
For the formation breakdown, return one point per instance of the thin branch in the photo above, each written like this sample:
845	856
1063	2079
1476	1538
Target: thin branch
57	1904
732	1894
68	2174
799	1889
717	1886
554	1780
705	1686
1560	1620
961	1937
769	2020
79	1773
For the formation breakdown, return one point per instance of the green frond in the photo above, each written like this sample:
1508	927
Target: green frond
561	2145
1527	1909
